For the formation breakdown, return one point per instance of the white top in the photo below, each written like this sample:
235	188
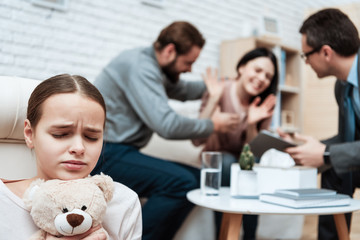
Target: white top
225	203
122	220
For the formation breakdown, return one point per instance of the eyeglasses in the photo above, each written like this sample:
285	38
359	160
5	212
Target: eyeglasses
307	54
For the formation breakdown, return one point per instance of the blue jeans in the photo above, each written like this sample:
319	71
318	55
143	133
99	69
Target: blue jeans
163	183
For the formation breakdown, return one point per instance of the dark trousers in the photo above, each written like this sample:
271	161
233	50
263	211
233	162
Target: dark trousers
163	183
250	222
344	183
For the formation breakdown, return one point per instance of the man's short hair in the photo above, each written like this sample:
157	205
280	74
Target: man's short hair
331	27
182	34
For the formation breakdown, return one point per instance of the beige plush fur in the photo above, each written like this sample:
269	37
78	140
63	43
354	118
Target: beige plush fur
76	205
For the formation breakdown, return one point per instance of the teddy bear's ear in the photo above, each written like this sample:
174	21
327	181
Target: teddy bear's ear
30	191
105	183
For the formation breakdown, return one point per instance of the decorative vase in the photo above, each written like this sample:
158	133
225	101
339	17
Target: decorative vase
247	183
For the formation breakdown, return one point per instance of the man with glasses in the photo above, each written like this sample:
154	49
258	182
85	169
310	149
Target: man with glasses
330	44
305	55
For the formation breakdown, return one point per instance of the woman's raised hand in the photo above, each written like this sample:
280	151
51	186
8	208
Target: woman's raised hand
263	111
215	87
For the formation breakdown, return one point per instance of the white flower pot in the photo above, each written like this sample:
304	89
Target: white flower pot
247	183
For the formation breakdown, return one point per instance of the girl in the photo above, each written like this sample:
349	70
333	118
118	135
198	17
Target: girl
251	95
64	126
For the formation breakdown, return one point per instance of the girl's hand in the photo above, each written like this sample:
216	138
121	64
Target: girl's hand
263	111
93	233
214	87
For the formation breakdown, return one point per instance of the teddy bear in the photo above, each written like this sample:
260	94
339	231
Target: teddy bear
67	208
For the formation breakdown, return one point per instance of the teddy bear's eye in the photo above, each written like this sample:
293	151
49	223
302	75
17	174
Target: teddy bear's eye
83	208
65	210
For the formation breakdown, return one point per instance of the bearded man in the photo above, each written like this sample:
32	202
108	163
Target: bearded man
136	86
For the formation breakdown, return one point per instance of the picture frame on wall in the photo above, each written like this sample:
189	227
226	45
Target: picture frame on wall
61	5
270	27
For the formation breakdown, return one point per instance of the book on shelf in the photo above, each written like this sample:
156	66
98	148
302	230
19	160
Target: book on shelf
306	198
282	67
276	121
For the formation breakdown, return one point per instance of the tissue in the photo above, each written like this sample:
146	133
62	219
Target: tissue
275	158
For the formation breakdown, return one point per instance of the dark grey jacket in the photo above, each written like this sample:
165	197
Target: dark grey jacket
344	157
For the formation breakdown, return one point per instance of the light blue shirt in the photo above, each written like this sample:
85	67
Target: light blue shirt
353	80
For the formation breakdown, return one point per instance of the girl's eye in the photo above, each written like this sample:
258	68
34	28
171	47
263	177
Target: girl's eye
59	135
92	138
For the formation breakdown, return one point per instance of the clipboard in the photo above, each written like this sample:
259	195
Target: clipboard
266	140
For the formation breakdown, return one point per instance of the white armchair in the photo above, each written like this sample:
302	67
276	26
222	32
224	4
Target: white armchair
17	160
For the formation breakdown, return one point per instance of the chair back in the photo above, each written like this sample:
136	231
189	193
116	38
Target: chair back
17	160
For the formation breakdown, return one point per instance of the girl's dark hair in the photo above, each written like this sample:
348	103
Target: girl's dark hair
262	52
63	83
182	34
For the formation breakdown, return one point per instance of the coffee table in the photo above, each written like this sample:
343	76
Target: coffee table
234	208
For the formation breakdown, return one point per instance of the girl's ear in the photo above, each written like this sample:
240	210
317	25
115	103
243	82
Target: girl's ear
28	134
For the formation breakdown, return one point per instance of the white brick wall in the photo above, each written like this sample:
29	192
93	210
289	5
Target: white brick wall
39	42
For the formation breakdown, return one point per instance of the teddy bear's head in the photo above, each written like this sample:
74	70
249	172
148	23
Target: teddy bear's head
66	208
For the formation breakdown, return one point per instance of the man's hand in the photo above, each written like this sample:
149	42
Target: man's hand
310	153
285	136
264	110
225	122
95	233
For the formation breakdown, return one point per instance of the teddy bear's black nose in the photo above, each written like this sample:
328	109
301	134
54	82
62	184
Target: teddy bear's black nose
74	219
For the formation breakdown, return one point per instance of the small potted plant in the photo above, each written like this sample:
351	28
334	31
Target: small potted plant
247	179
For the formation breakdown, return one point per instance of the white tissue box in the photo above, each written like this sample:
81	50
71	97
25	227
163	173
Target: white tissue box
271	178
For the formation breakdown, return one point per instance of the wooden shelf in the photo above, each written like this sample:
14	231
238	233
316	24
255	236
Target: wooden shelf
289	89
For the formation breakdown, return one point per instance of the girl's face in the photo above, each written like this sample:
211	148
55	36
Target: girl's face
68	137
256	75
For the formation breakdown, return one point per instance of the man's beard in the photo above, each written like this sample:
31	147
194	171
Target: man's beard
171	73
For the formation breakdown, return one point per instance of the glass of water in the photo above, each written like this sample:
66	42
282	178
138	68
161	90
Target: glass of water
210	181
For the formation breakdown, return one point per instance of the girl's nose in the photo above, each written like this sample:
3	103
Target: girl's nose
77	146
